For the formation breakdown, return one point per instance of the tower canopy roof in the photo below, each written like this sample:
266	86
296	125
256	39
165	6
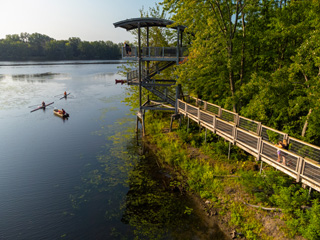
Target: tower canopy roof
132	23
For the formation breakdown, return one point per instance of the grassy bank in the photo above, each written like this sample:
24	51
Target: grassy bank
229	185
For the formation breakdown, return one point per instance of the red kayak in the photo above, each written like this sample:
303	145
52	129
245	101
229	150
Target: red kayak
121	81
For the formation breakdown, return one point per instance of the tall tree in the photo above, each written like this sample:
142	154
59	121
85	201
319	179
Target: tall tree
214	24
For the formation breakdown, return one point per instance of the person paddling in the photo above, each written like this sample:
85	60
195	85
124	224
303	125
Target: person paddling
43	104
65	94
62	111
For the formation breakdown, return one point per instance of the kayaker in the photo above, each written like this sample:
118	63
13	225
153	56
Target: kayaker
63	111
65	93
43	104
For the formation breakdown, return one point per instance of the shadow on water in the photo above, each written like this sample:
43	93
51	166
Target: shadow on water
138	199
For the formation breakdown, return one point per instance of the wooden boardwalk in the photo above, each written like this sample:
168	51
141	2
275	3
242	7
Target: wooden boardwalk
302	158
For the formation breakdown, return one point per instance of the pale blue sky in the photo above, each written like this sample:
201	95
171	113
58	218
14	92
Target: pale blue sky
90	20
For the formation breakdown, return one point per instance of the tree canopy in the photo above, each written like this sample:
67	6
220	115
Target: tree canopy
257	58
38	46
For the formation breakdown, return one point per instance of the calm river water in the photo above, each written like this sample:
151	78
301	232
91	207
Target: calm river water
81	178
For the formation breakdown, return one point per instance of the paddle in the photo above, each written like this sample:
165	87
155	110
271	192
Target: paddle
33	106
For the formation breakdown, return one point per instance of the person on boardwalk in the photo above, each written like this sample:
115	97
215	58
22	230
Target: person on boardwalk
282	144
279	145
128	48
285	146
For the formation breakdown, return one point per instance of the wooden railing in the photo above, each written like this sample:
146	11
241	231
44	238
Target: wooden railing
155	52
302	159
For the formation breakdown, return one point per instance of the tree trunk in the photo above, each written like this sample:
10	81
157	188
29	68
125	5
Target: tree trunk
242	56
231	77
306	124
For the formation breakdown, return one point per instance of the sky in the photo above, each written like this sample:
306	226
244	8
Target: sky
90	20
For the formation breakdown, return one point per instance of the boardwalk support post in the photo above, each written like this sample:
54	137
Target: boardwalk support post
188	124
143	125
205	136
137	124
174	117
261	166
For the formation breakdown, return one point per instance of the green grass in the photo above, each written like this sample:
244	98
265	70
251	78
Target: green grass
272	188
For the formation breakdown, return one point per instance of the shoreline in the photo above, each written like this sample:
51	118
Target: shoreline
81	62
226	206
209	215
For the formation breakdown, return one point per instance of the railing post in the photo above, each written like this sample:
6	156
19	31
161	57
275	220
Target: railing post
177	99
234	133
259	148
299	168
236	119
214	123
259	129
205	106
219	112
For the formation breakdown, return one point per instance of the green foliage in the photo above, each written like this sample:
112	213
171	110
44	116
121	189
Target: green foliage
262	57
289	198
245	221
37	46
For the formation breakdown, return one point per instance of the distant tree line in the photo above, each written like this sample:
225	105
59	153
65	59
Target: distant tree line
37	46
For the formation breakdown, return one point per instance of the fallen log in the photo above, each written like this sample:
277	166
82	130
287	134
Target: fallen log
263	208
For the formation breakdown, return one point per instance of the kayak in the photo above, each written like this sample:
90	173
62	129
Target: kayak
59	113
42	107
121	81
64	96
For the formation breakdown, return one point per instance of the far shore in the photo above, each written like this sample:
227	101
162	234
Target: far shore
60	62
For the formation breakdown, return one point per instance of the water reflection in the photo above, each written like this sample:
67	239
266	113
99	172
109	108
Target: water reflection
103	75
147	200
39	77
